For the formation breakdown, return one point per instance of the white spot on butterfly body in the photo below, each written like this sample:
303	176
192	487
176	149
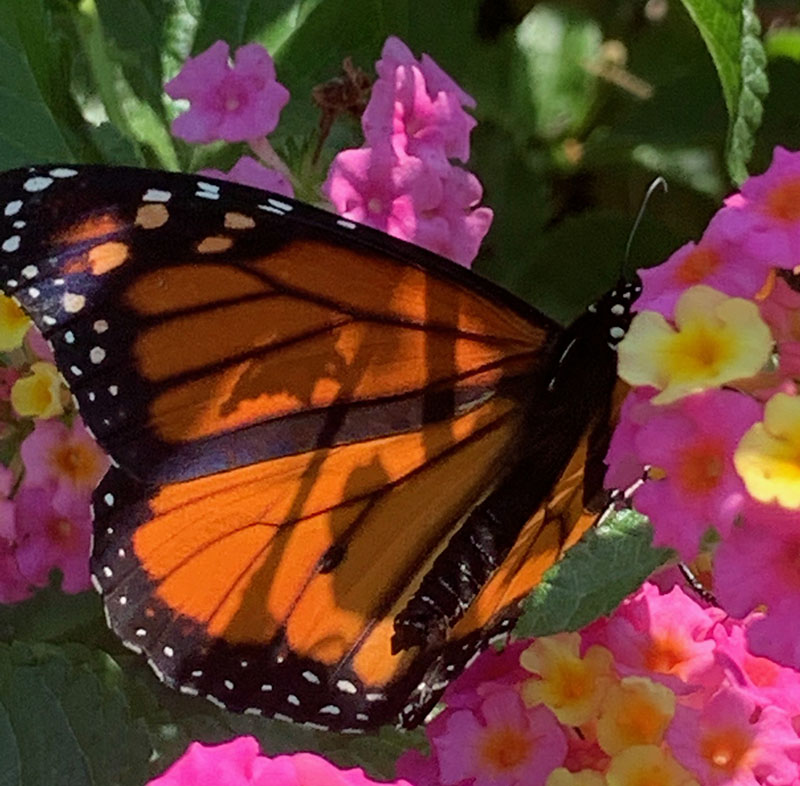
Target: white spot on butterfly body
309	676
62	171
48	320
197	673
121	553
281	717
13	207
97	355
100	326
362	716
168	651
113	390
107	572
374	696
18	224
38	183
617	309
228	684
266	688
330	709
12	282
123	600
280	205
96	583
109	499
34	292
141	632
156	195
11	243
216	702
271	209
76	371
616	332
343	222
293	700
29	271
92	395
253	711
69	337
189	690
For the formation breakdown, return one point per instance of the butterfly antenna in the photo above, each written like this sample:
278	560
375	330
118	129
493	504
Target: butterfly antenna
659	182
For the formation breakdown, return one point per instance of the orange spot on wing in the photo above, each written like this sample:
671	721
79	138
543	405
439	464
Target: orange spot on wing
99	259
152	216
214	244
92	228
238	221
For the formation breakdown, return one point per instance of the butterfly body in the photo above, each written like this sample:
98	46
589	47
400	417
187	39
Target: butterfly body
340	462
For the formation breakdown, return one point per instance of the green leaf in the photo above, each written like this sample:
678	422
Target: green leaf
556	46
731	31
595	575
65	721
783	42
28	129
51	615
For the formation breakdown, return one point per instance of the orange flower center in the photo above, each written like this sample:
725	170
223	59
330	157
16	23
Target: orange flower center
700	467
504	749
60	530
783	202
697	266
725	749
762	671
664	654
75	462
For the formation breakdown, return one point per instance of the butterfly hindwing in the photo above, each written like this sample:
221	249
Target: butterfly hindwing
341	461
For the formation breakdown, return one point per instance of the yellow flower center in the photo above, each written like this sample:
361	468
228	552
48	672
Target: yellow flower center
504	749
783	202
698	264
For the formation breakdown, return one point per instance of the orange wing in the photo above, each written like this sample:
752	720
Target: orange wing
332	447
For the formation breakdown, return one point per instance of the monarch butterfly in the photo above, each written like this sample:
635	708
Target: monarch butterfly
339	461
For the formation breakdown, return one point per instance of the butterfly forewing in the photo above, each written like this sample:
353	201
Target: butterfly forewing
311	422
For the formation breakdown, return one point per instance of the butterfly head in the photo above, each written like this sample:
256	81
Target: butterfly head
615	310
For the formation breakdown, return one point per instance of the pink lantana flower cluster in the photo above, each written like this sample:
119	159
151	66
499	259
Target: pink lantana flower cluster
713	422
664	693
401	181
241	763
45	492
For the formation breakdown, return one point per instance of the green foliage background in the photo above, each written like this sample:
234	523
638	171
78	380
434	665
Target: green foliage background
565	150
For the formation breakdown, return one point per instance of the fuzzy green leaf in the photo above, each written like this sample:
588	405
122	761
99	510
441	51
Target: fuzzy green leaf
609	563
731	31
